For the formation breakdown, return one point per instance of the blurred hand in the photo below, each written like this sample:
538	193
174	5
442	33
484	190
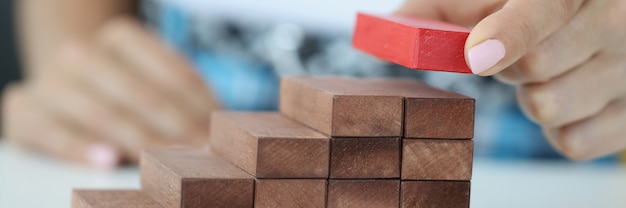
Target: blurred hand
100	101
568	59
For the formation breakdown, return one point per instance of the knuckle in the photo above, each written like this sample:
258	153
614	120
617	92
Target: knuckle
71	60
116	29
531	65
526	32
568	7
611	22
70	55
615	15
615	73
539	102
140	93
99	117
570	146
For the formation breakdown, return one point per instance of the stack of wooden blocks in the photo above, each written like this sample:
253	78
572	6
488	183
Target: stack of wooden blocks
337	142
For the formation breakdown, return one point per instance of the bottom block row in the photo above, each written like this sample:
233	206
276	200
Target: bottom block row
195	178
310	193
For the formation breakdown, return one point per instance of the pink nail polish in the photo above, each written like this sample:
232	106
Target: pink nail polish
103	156
485	55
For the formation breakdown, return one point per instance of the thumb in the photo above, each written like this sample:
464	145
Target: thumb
503	37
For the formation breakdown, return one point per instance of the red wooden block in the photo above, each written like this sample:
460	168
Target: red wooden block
413	42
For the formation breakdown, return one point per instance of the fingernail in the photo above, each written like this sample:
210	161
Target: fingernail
485	55
103	156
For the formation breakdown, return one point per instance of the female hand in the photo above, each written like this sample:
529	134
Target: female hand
567	59
100	101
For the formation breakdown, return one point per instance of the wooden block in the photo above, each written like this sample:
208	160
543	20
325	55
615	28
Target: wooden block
426	194
365	158
431	113
112	199
428	112
267	145
439	118
341	107
425	159
302	193
194	178
413	42
363	193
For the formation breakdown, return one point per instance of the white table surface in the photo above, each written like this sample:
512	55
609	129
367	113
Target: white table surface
28	180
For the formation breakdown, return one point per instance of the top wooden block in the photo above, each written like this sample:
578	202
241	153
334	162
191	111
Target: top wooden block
413	42
268	145
341	107
431	113
348	107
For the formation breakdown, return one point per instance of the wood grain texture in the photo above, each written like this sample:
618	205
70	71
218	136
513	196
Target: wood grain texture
194	178
268	145
363	193
429	112
303	193
345	107
365	158
112	199
341	107
439	118
413	42
425	159
435	194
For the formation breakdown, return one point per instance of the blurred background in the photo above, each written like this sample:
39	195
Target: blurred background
249	39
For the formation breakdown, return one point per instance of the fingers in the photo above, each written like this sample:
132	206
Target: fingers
65	98
594	137
111	81
575	95
90	106
572	45
463	12
503	37
134	45
28	124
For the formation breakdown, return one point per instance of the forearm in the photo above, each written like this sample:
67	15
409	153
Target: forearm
44	26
